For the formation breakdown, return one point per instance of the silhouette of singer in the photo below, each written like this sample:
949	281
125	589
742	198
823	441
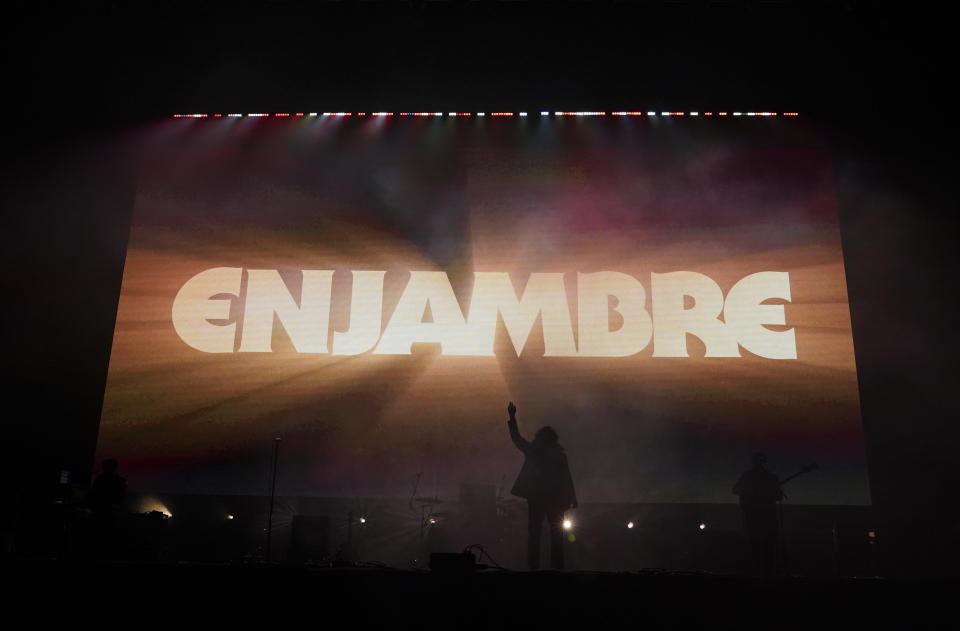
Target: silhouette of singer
546	484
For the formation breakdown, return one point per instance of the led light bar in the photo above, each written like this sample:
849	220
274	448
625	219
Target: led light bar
650	113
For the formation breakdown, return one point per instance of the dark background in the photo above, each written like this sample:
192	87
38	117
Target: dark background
79	80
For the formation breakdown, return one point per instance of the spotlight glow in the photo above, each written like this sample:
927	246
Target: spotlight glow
703	526
567	524
630	525
154	504
229	516
363	520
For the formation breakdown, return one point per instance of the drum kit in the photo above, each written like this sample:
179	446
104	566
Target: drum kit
429	518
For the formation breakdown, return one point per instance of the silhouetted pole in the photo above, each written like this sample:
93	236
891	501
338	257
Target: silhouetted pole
273	493
783	539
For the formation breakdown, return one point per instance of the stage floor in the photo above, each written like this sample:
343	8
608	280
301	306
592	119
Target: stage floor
485	598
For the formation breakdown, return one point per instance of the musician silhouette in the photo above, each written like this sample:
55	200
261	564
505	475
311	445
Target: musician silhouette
106	502
546	484
759	492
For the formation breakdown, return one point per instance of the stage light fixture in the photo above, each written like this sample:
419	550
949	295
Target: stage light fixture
567	524
524	114
630	525
703	526
229	516
363	520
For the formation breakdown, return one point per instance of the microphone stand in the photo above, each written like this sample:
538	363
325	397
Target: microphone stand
273	494
783	533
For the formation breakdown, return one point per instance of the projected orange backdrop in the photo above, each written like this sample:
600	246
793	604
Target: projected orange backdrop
375	293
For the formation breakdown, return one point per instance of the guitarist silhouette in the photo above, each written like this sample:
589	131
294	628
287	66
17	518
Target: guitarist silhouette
760	491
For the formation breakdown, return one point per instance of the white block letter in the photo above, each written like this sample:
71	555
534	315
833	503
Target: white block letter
595	337
366	314
745	316
406	325
671	322
306	325
544	295
193	307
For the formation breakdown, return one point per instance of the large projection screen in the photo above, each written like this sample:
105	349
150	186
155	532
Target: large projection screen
668	293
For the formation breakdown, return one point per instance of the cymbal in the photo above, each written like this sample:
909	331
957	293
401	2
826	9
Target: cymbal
429	500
